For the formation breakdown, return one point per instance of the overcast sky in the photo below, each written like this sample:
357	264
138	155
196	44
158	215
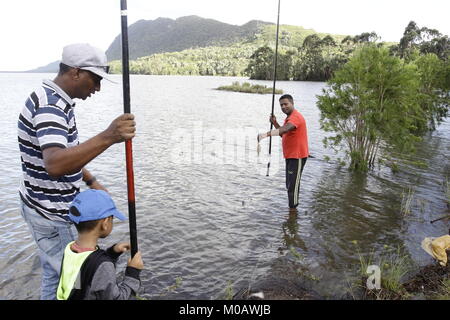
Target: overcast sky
33	32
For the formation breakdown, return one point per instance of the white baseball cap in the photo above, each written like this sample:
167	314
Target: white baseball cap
86	57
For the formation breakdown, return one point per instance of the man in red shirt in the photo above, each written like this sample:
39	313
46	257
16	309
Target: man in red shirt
295	145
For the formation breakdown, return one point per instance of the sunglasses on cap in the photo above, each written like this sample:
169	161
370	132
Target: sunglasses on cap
105	68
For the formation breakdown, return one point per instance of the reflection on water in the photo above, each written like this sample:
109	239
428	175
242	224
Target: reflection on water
215	219
291	236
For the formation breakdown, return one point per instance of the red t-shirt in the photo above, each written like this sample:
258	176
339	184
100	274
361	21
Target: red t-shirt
295	142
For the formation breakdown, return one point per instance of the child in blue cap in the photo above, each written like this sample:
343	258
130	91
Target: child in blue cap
88	272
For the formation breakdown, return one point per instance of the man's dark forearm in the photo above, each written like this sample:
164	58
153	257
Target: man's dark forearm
59	161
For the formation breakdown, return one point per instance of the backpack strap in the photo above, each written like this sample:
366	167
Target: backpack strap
87	272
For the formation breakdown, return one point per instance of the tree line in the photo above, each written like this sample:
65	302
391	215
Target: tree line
381	102
316	59
304	58
209	61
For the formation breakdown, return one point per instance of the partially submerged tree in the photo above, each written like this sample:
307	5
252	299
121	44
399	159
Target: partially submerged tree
434	91
371	105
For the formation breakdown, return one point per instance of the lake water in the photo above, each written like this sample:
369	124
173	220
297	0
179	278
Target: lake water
206	212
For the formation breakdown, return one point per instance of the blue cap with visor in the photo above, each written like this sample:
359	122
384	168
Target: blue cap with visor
93	205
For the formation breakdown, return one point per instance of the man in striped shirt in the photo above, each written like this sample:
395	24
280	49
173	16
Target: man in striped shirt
52	158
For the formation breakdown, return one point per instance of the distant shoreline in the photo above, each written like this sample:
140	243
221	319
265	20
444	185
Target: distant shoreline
28	72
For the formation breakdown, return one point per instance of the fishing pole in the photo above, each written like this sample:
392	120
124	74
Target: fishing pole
274	83
128	144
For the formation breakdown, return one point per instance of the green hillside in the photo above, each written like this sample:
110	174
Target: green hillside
290	36
228	55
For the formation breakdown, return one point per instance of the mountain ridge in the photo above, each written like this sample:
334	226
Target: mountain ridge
166	35
147	37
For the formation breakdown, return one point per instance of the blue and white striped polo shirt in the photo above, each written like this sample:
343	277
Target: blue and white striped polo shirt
47	120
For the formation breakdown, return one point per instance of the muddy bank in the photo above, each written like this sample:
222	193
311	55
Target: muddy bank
431	282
